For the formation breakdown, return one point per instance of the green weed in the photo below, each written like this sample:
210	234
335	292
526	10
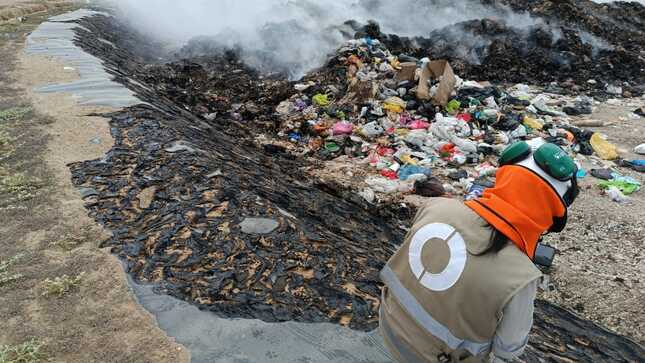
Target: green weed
28	352
60	286
15	188
6	276
14	113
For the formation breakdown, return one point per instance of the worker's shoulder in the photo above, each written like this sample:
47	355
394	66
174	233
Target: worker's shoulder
442	201
448	210
446	205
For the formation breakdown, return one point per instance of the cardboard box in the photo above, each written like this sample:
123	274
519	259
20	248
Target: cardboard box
439	70
407	73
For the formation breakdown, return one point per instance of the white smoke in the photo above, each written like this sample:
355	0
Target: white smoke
613	1
298	34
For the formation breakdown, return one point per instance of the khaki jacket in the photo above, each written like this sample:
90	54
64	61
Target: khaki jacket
444	296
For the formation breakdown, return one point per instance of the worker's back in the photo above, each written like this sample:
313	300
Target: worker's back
445	293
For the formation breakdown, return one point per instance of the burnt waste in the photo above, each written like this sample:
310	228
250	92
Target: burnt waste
186	171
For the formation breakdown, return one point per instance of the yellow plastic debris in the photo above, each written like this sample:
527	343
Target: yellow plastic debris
533	123
394	104
407	159
603	148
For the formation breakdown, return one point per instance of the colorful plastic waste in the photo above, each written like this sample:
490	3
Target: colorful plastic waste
418	125
342	128
384	123
295	137
626	185
407	171
321	100
475	191
533	123
394	104
453	106
390	174
603	148
332	147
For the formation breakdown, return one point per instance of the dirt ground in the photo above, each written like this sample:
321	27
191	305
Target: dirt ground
600	267
88	314
15	10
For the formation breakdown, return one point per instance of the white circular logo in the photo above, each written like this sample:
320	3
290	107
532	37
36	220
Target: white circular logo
451	274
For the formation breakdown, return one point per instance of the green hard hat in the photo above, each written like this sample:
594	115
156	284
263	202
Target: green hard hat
555	161
549	157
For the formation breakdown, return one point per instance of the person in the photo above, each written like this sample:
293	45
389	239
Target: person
462	286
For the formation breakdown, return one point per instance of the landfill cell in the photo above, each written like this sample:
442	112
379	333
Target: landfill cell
176	188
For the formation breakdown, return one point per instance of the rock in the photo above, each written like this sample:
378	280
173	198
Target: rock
259	225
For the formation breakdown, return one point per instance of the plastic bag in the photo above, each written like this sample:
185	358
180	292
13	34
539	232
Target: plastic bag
603	148
640	149
418	125
533	123
372	130
382	185
321	100
616	195
343	128
394	104
368	195
453	106
626	185
409	170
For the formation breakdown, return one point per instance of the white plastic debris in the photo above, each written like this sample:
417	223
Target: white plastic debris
616	195
372	130
640	149
614	90
368	194
383	185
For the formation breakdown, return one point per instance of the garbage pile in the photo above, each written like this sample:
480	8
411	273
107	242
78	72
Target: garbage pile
578	41
420	128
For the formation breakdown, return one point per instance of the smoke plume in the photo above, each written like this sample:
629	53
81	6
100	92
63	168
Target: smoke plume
295	35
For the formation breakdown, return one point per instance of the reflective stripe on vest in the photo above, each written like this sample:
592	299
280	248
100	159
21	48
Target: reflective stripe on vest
418	313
